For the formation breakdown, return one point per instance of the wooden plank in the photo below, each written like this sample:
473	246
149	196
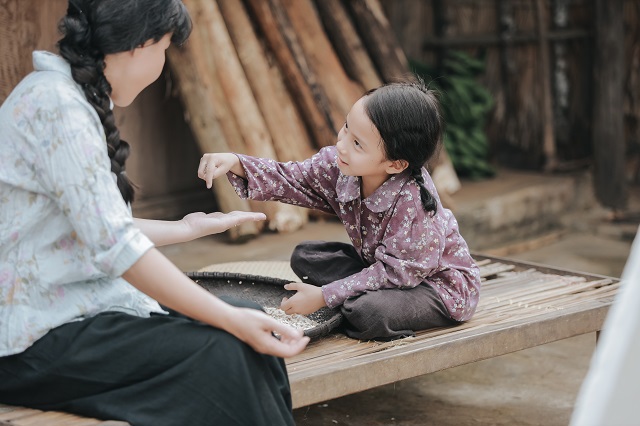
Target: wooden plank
21	416
350	375
283	42
522	308
210	120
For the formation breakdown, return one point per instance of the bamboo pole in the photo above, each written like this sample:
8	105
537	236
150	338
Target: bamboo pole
288	136
322	61
379	38
304	90
549	143
238	95
195	88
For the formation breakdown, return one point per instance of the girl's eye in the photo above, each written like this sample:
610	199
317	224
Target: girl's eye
346	126
357	144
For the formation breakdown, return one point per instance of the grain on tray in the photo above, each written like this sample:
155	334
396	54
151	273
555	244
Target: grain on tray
295	320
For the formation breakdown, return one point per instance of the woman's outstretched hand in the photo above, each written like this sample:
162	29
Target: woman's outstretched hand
257	329
201	224
214	165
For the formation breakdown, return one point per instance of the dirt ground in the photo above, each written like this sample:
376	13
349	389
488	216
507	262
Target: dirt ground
537	386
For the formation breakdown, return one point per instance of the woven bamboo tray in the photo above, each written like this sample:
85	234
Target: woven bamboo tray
265	290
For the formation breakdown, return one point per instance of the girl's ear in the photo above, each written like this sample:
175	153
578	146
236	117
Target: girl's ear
397	166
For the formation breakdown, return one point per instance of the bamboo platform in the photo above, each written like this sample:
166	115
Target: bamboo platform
522	305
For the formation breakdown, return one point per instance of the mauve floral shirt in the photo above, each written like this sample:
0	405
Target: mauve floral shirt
402	243
66	234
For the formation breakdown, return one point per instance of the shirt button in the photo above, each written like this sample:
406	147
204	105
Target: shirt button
357	242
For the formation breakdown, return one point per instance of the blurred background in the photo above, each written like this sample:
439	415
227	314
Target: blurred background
544	86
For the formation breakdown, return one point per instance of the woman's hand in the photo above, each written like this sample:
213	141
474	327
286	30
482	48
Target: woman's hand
214	165
154	275
193	225
256	329
308	299
200	224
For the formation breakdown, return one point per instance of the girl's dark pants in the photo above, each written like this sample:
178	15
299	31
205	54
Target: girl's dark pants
383	314
166	370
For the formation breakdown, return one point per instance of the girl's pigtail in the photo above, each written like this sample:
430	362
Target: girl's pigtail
428	200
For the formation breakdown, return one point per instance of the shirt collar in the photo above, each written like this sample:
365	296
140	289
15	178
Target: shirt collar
348	189
47	61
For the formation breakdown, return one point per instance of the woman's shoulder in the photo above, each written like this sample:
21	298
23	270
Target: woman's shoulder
49	86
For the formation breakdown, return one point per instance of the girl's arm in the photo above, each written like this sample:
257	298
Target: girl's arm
310	183
193	225
156	276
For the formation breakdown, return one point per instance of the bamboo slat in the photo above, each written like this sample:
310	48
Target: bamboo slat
347	43
199	92
321	58
20	416
304	89
288	137
519	307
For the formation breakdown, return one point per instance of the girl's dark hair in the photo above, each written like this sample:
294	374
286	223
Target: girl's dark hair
92	29
407	116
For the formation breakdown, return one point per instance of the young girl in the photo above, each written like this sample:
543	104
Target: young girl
408	268
81	329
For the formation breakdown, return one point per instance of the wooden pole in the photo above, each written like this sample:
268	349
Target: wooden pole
195	90
322	61
281	38
610	182
546	98
379	38
288	136
238	95
347	43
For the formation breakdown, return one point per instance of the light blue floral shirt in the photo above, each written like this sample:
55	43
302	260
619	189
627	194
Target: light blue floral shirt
66	234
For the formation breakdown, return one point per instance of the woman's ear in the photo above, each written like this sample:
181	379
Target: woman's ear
397	166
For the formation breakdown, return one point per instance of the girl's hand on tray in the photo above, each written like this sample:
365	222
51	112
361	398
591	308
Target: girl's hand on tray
307	300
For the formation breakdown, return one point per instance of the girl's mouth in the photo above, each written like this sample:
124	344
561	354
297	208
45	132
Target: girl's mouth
341	161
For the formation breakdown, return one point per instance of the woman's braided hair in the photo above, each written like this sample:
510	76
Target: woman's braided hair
407	116
92	29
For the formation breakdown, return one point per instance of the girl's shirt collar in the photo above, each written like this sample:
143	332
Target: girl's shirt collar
348	189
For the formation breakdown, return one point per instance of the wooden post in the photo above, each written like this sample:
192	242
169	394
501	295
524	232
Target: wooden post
347	43
548	144
611	187
288	135
379	38
239	97
322	61
195	88
281	38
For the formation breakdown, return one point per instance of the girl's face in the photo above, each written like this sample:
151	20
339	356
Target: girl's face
360	151
132	71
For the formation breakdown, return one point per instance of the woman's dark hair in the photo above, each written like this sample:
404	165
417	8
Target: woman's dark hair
407	116
92	29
